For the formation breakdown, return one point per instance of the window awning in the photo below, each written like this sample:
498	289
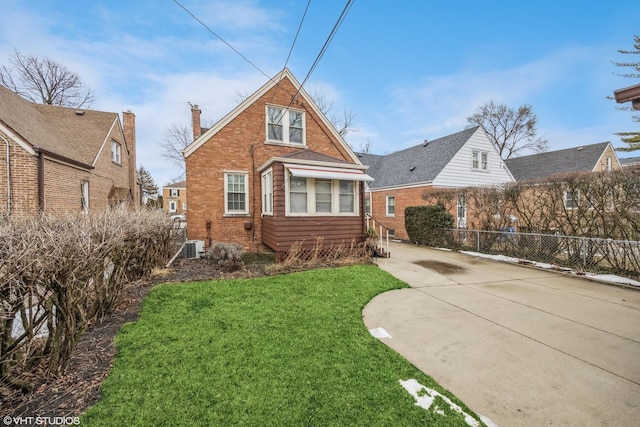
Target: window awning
329	173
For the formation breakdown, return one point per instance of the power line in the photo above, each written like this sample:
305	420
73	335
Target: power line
221	39
337	25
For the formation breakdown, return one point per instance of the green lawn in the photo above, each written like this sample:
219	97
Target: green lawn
288	350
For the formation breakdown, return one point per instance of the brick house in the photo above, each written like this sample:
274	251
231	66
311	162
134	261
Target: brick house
59	159
272	172
174	198
463	159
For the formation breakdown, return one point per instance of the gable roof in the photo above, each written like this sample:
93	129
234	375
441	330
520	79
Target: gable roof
67	132
418	164
541	165
284	74
179	184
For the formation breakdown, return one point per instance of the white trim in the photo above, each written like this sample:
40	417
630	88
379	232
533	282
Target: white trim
245	211
286	126
109	137
18	140
266	191
404	186
311	198
386	206
255	97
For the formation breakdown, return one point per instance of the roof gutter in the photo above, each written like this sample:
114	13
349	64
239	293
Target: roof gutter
629	94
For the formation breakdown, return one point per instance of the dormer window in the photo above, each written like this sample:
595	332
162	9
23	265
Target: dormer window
285	126
116	153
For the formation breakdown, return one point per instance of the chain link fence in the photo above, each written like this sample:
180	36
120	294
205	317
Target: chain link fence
620	257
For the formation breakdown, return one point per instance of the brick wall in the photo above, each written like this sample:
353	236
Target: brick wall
166	198
240	146
24	178
404	198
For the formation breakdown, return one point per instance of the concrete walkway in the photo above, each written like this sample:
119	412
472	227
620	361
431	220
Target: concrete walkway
521	346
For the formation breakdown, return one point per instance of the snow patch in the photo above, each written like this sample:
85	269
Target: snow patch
610	278
380	333
425	396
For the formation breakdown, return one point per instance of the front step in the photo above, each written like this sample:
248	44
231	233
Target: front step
381	253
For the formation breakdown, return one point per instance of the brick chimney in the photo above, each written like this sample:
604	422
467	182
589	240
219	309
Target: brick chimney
195	121
129	129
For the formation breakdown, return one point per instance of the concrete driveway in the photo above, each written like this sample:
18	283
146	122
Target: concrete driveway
521	346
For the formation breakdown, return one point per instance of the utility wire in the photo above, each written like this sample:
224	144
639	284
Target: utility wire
221	39
345	10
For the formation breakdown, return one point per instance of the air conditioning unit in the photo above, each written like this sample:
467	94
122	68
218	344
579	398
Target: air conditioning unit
194	249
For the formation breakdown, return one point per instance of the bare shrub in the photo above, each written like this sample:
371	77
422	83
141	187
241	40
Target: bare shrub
227	256
320	255
58	274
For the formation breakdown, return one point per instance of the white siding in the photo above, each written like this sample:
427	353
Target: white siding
459	173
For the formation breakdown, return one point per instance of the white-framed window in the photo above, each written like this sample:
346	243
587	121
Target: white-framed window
116	152
184	206
608	164
479	160
267	192
391	206
367	206
84	196
321	197
236	194
174	192
173	206
571	199
285	126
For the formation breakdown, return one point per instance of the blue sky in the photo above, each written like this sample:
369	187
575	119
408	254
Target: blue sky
408	70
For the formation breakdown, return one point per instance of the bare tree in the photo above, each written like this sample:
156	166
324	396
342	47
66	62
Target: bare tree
511	131
177	137
42	80
631	138
342	122
365	147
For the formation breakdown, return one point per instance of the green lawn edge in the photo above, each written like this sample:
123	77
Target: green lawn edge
278	350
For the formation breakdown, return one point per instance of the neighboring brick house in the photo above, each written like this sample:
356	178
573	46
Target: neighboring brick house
463	159
587	158
174	198
272	172
59	159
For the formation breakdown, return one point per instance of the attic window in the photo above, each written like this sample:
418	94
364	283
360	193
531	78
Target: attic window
116	153
285	126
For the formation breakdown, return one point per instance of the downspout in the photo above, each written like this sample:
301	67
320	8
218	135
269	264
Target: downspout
6	141
40	181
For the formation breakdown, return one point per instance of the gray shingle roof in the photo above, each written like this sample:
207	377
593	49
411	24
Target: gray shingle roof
56	129
628	161
312	155
541	165
421	163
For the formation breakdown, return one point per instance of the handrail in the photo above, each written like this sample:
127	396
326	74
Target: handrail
372	223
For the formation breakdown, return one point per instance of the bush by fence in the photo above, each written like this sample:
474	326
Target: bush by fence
424	224
59	274
599	205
